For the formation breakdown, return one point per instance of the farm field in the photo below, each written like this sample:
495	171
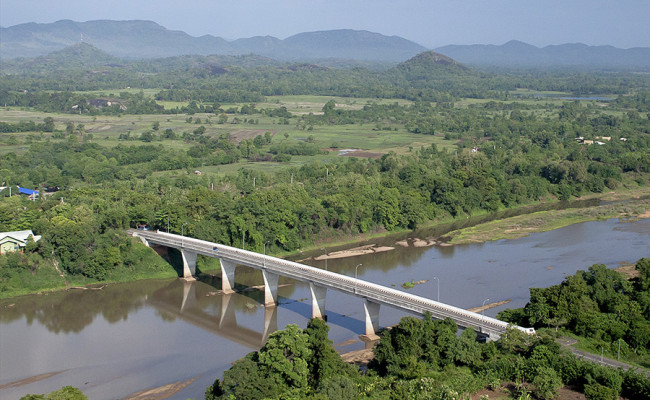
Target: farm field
358	140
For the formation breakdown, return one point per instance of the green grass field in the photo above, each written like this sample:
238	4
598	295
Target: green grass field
106	130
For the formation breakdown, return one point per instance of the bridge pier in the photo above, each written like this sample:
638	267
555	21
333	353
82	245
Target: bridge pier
189	263
317	300
227	276
372	318
270	288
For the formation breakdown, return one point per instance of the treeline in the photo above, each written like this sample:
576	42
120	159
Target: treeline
599	304
419	359
201	81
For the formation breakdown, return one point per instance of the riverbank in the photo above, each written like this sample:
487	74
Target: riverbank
46	278
628	206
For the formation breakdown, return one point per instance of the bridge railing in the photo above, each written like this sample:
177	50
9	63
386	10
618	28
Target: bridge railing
331	280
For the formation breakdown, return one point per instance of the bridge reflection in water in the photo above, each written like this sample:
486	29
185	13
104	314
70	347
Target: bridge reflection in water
180	300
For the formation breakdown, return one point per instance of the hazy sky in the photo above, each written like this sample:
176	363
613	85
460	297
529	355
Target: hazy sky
433	23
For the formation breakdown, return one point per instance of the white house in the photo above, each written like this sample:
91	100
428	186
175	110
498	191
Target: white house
13	241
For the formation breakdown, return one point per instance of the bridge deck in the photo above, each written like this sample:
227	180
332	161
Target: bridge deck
331	280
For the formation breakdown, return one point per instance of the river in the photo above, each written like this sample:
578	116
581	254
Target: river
128	337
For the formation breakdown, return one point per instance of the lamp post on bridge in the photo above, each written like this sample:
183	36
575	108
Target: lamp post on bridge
356	270
483	305
183	232
326	257
264	259
243	232
438	281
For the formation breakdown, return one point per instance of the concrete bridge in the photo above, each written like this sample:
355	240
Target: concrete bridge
319	282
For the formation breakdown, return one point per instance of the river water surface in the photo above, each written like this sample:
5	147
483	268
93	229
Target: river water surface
129	337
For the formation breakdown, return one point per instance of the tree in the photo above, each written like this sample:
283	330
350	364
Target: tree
547	383
324	363
65	393
467	351
48	124
328	108
278	367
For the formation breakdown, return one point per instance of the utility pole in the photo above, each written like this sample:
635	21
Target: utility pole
438	281
483	305
356	269
326	257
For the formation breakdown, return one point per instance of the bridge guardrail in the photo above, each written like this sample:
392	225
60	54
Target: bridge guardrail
371	291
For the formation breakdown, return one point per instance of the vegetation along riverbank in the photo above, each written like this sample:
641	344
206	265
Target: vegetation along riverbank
629	206
426	359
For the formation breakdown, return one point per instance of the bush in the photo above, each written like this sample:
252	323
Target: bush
599	392
547	383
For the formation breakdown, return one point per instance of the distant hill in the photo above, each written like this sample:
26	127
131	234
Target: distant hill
519	54
127	39
429	68
431	61
81	55
84	56
146	39
351	44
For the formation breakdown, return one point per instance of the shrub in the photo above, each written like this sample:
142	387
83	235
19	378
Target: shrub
597	391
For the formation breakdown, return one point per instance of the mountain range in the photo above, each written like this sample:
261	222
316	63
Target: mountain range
147	39
518	54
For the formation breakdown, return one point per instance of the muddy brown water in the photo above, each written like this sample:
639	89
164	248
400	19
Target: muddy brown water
134	336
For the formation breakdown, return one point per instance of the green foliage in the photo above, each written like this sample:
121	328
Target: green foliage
407	350
547	383
599	392
598	304
65	393
291	364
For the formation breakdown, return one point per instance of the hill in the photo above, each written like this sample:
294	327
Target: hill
80	55
519	54
428	69
352	44
146	39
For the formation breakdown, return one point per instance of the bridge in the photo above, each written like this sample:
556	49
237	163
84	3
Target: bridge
319	282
